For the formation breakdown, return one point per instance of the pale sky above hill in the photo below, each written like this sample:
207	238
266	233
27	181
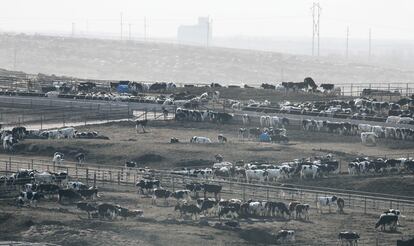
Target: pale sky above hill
288	18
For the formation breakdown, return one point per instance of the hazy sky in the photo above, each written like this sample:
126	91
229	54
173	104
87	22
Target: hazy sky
291	18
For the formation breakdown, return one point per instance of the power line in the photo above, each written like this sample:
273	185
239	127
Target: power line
316	13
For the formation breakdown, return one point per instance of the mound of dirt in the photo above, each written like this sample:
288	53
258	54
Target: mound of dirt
148	158
193	162
258	236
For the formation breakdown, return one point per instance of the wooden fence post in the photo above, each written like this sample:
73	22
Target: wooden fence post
94	179
32	165
119	178
87	176
173	184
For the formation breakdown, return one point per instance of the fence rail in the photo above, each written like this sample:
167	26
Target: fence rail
362	201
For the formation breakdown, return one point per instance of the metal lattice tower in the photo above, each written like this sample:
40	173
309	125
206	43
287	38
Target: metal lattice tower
316	13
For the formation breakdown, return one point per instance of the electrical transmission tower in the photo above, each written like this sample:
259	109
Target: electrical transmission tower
316	13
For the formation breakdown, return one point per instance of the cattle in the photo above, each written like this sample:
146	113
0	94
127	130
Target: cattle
268	86
276	174
208	206
29	196
44	177
349	238
131	164
80	158
90	193
58	158
302	211
326	201
76	185
185	209
87	207
181	195
106	210
387	219
221	138
256	175
212	188
246	119
292	207
126	213
174	140
276	208
369	138
69	194
396	212
285	236
257	208
308	170
160	193
341	204
142	123
8	142
203	140
48	188
68	132
229	211
147	185
409	242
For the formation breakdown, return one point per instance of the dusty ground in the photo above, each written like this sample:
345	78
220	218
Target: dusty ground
153	149
64	224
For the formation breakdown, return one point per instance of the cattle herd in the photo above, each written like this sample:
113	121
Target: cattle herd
187	202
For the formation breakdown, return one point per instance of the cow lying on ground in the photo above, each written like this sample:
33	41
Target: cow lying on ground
350	238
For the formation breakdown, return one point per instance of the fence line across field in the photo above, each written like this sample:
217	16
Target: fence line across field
365	202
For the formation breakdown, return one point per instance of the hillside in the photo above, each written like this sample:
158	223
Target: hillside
109	59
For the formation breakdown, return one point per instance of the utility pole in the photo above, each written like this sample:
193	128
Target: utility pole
316	13
208	32
121	25
369	43
14	57
347	41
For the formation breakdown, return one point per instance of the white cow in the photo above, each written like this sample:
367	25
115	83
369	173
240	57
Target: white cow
275	174
44	177
326	201
405	120
246	119
369	137
222	164
196	139
58	158
68	132
393	119
256	175
8	142
379	130
257	208
364	128
308	170
275	121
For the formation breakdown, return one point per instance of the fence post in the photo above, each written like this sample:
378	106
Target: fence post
119	178
173	184
32	165
244	193
267	194
87	176
10	163
41	122
94	179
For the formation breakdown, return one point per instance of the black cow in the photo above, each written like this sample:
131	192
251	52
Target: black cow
69	194
174	140
409	242
142	123
89	193
268	86
387	219
212	188
29	196
87	207
160	193
349	237
131	164
106	210
231	211
274	208
327	87
147	185
208	206
181	194
194	187
187	208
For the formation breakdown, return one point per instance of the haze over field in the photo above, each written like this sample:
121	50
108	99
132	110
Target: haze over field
114	59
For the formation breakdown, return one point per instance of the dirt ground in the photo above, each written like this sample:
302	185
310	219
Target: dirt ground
63	224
